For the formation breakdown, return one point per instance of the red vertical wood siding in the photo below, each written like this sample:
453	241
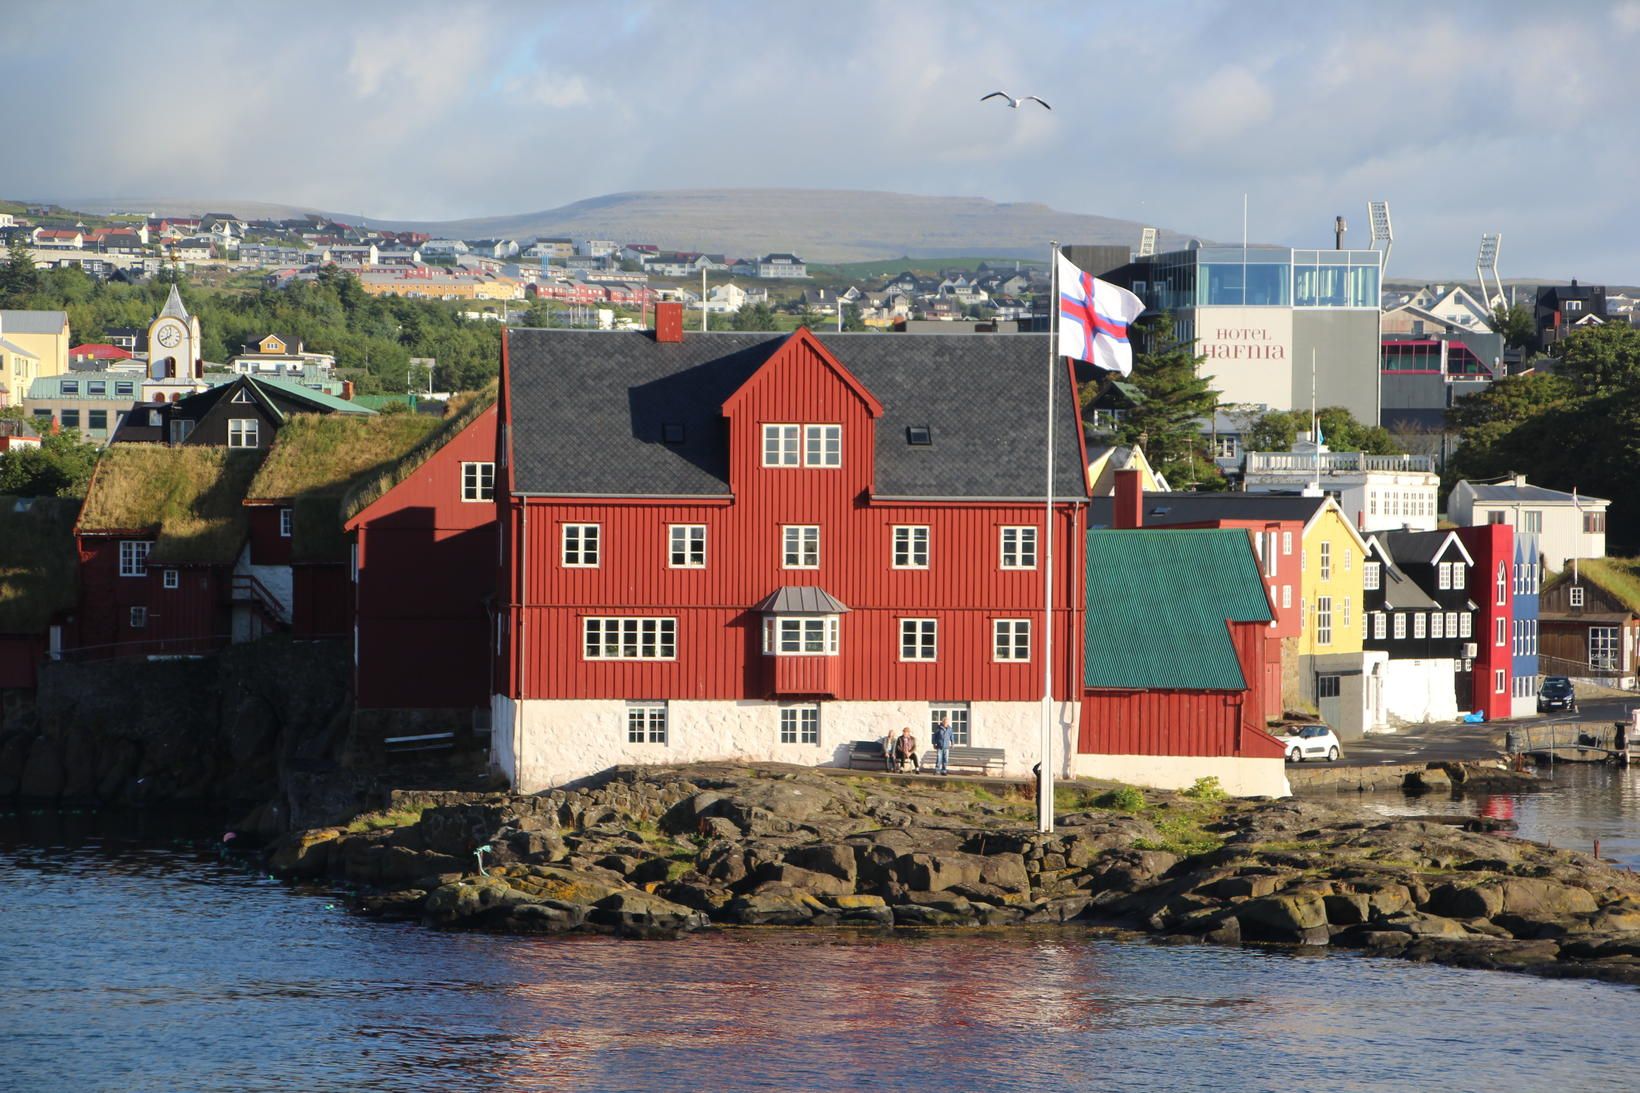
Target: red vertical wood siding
194	617
20	657
719	637
321	601
427	579
1491	545
268	547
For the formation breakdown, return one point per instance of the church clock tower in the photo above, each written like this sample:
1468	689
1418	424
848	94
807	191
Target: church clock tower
175	350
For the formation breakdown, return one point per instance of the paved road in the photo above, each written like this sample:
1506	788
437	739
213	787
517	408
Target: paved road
1456	741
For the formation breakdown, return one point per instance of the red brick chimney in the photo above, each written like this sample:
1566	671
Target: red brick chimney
669	321
1130	501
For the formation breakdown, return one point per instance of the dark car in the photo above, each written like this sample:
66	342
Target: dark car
1556	694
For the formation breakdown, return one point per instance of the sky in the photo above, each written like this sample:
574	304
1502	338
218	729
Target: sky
1467	117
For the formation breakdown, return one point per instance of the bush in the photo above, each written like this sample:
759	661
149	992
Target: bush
1121	799
1205	789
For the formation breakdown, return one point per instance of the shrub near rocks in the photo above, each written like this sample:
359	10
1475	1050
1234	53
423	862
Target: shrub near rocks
658	852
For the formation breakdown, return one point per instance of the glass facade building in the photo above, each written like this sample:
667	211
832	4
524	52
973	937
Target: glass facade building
1257	276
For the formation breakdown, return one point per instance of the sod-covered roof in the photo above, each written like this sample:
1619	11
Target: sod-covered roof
39	571
190	498
462	412
1618	576
318	458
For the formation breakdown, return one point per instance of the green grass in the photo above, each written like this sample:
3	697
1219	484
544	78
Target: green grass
191	497
377	821
1619	576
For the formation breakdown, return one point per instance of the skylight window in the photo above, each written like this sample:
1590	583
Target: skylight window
920	436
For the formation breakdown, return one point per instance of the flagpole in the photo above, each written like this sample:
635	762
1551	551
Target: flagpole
1044	785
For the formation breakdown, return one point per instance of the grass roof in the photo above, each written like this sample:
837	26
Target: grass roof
463	411
190	497
39	570
1619	576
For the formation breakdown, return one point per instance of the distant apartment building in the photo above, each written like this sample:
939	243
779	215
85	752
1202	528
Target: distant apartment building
92	403
772	267
1376	492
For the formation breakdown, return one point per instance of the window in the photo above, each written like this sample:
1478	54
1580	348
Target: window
1349	559
1380	626
1370	579
1011	639
1531	521
823	445
1501	585
1323	619
1418	626
97	387
1575	594
139	618
918	639
134	558
242	432
156	419
910	547
1452	624
1501	636
1594	523
780	445
1286	542
478	481
1326	686
801	546
1500	681
1018	548
1400	626
1437	625
286	520
646	722
803	635
1326	561
70	419
1269	552
581	546
1603	645
125	388
1346	619
97	420
800	724
686	546
1286	597
241	396
956	717
172	579
1224	447
70	387
629	638
1443	575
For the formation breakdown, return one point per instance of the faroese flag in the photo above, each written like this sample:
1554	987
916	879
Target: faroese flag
1093	319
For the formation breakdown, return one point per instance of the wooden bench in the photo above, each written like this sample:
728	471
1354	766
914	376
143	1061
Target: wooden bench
975	760
867	755
432	741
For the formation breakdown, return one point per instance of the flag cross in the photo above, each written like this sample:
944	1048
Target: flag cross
1084	314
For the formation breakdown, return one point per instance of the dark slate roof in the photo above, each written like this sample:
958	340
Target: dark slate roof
1401	592
1505	491
981	397
1174	509
800	599
1157	603
1418	547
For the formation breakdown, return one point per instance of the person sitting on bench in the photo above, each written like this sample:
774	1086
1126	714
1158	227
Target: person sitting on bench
891	743
905	751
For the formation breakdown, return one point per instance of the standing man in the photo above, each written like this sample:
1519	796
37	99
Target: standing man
942	746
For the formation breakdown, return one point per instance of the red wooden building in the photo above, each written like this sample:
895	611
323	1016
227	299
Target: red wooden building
764	547
424	566
1492	590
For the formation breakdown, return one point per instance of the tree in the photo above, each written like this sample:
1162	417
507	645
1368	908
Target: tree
1176	398
1602	359
1514	322
60	467
21	278
754	317
1278	430
851	318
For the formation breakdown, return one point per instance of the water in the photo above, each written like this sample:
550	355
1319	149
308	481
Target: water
133	962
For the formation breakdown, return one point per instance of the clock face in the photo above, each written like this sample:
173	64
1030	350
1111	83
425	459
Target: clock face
169	337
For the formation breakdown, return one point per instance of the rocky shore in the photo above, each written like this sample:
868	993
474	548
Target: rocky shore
663	851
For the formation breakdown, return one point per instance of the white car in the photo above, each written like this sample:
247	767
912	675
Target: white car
1310	742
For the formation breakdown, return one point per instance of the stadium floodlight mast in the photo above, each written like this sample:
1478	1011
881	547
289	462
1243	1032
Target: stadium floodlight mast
1378	218
1147	242
1486	261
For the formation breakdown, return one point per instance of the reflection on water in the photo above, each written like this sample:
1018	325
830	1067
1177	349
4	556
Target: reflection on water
140	964
1574	806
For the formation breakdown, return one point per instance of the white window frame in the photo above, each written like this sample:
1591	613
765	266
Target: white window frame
921	637
287	522
1380	626
646	723
629	637
782	445
579	543
1465	623
800	635
1286	597
1443	577
1008	638
1574	596
1437	626
686	546
823	446
958	716
171	579
1502	584
244	432
800	724
1013	555
1501	632
1500	681
1286	542
1326	560
1400	627
910	546
1420	626
1610	640
134	557
138	617
477	481
1323	620
800	542
1371	577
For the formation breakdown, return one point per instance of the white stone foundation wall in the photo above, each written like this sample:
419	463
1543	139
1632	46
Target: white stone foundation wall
1523	707
1238	775
1420	691
541	743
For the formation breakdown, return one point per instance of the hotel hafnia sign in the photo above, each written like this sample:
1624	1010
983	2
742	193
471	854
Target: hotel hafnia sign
1243	343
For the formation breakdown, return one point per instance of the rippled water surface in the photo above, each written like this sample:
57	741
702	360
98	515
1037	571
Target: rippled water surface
133	962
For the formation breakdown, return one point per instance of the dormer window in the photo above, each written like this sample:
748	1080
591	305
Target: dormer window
802	445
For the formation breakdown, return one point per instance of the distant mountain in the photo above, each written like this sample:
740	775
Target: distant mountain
819	225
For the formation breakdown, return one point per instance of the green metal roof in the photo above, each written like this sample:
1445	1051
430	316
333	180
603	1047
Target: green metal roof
317	398
1158	601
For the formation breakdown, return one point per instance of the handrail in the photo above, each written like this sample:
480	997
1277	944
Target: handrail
1335	462
247	583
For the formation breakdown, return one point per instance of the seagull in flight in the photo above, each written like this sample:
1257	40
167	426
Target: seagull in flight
1013	102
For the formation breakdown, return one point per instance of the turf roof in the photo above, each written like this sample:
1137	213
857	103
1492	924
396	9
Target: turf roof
1619	576
462	412
191	498
39	574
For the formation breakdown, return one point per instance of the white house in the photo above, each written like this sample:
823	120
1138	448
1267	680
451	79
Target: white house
1567	525
1376	492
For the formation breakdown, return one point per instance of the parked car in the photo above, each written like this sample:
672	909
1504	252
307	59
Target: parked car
1557	694
1310	742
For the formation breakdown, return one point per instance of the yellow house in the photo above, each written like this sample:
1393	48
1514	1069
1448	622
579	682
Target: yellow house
1332	671
1104	462
18	369
40	334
